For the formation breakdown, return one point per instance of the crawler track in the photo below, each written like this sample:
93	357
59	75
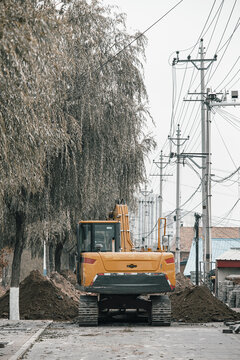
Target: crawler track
161	310
88	311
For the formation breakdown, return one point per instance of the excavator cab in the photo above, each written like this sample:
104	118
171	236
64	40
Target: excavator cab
98	236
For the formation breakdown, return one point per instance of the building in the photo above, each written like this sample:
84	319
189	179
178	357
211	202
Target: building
228	277
223	238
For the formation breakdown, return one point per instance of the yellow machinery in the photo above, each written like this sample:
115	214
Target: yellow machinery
115	278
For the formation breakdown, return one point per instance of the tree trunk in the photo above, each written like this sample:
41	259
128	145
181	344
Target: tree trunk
58	253
72	261
16	265
47	260
51	258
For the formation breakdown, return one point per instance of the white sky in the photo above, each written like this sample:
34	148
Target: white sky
181	30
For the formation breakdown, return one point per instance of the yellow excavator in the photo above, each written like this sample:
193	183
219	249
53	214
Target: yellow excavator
116	278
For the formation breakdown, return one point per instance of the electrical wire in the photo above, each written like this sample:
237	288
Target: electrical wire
230	37
202	34
229	212
219	62
195	118
216	16
228	75
220	8
229	18
227	119
234	83
227	177
224	143
232	77
140	35
174	111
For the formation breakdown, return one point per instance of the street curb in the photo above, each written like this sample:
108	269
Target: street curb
24	348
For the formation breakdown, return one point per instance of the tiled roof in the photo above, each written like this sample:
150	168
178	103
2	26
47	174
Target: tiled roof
187	234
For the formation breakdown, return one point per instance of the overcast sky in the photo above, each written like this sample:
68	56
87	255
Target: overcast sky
181	30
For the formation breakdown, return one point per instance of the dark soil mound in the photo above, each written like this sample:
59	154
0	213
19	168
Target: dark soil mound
40	299
197	304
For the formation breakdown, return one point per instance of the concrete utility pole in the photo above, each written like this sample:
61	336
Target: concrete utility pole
161	165
203	132
180	141
211	101
202	68
208	245
145	193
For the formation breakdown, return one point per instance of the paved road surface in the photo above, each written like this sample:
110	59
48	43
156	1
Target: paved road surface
125	341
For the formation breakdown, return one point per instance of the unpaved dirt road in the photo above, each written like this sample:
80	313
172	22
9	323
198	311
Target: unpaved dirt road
135	341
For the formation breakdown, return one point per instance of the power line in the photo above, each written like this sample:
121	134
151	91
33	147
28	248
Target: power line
228	120
219	62
225	144
140	35
234	83
220	8
228	74
233	75
227	177
230	37
226	24
229	212
202	34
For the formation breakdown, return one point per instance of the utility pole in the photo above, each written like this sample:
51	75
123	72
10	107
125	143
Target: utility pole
196	227
161	165
211	101
203	132
179	141
145	193
204	65
208	245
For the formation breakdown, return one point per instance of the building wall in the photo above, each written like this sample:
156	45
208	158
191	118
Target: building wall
223	272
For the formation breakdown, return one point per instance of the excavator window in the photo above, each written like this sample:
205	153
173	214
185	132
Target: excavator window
85	235
99	237
103	237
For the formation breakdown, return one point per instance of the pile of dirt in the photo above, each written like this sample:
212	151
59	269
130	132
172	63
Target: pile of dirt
197	304
182	282
65	286
40	298
69	276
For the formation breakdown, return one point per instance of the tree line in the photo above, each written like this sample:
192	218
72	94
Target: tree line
72	116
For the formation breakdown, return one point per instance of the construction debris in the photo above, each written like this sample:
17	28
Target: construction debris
234	327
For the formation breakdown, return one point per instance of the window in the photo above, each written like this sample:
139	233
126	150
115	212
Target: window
95	237
103	235
85	237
